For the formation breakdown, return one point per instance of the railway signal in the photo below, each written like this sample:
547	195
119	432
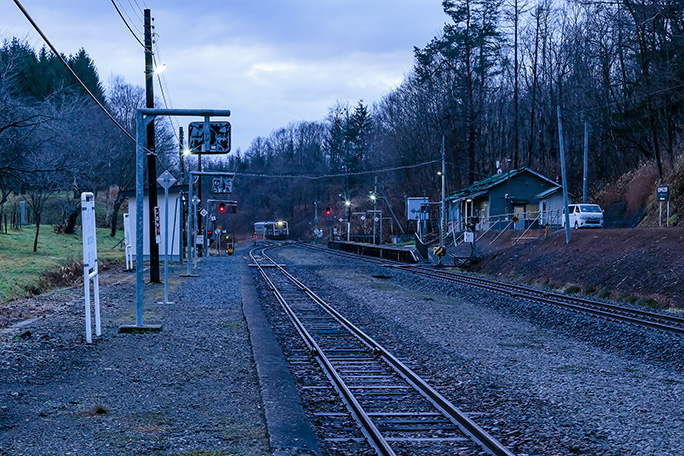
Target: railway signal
222	207
328	211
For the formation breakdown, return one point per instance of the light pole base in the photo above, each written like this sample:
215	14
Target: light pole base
142	329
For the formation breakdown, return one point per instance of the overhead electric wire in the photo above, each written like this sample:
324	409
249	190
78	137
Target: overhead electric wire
163	87
138	5
59	56
330	176
133	19
127	25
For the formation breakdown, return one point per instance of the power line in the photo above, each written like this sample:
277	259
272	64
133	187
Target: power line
133	19
330	176
138	5
127	25
164	87
631	98
59	56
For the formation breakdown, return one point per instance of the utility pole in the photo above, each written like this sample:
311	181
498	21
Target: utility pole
151	157
565	182
442	213
181	157
347	212
375	197
586	161
199	194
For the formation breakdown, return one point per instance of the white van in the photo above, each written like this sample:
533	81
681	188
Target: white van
581	215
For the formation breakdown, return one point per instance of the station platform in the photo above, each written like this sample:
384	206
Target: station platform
213	380
396	253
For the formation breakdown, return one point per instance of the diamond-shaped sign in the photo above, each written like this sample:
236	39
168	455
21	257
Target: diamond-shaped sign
204	212
166	180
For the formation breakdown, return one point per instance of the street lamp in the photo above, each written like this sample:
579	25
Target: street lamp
347	204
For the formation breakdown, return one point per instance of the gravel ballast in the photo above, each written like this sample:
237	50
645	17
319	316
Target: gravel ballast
191	389
547	382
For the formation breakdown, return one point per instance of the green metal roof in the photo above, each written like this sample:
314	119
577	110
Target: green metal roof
548	192
485	184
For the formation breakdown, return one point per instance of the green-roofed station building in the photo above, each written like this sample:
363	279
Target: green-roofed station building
495	201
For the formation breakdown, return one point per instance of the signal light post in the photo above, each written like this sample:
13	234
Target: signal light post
143	118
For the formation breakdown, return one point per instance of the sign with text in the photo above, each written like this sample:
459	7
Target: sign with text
663	192
157	225
89	239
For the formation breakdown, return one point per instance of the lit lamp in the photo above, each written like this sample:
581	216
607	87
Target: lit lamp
347	203
469	200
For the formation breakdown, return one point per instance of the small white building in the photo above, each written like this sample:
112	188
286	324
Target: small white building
550	206
175	222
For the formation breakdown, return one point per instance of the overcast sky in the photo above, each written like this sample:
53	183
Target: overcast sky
270	62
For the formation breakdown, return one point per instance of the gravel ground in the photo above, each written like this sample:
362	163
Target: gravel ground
188	390
548	382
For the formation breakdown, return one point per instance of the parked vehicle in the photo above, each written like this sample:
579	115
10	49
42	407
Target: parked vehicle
584	215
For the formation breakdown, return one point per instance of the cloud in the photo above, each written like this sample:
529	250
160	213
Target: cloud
270	62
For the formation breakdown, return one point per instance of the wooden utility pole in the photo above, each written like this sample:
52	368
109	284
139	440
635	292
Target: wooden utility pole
151	156
565	181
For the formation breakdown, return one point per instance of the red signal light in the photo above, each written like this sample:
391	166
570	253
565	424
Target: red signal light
222	207
328	211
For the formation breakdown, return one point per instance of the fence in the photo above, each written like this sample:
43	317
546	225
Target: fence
517	221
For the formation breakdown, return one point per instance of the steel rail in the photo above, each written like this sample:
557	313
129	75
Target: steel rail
667	323
455	415
640	317
373	435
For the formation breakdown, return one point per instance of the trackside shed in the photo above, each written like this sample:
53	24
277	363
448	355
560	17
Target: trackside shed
515	199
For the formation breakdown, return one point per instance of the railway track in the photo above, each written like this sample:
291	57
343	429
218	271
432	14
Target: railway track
610	311
396	411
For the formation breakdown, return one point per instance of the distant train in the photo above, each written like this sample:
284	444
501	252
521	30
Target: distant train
271	230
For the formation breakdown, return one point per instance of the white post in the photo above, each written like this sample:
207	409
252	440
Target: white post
667	220
166	180
90	262
88	321
127	240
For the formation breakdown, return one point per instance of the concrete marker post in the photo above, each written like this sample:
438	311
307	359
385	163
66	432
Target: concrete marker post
90	262
166	180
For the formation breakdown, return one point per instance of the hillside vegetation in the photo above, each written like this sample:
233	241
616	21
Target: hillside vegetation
639	265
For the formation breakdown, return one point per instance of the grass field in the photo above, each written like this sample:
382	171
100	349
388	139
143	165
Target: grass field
22	272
